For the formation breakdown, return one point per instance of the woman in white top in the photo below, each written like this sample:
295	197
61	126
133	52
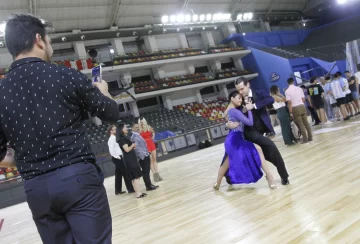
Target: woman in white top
283	115
117	159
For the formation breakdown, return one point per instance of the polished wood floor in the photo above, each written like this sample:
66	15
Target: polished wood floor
322	204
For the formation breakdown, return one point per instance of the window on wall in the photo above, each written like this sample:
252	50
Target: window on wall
231	85
141	78
202	69
147	102
207	90
227	65
113	84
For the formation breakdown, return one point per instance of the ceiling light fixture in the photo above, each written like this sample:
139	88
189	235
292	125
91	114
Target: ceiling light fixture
180	18
341	1
165	19
203	28
2	27
188	18
202	17
195	18
172	18
191	29
208	17
178	29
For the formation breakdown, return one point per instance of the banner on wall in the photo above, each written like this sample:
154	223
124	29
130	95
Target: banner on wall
274	77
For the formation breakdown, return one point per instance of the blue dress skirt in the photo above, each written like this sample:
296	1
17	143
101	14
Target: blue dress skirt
244	159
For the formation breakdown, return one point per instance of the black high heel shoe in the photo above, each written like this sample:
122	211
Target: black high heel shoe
142	195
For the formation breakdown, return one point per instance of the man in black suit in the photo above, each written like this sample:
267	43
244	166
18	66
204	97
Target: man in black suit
257	101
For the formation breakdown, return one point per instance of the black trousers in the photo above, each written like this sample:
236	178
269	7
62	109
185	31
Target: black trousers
145	166
271	152
70	205
120	172
314	115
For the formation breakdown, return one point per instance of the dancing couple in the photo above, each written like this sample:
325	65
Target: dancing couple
246	149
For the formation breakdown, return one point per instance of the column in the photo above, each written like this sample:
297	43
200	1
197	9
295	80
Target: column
134	109
208	40
224	91
126	79
183	40
80	50
199	97
118	46
150	43
158	72
189	67
215	64
238	63
167	102
228	29
266	26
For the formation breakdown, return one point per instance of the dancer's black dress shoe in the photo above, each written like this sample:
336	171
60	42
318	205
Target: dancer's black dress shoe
285	181
119	192
151	188
131	192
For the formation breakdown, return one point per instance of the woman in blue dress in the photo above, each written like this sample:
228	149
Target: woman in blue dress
245	160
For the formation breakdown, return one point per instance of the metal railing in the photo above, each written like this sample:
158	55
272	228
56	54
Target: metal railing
190	139
290	52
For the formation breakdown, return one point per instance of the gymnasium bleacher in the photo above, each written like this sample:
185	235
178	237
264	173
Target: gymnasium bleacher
162	120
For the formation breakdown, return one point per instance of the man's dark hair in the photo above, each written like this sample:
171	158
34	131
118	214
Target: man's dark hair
290	81
347	71
303	86
339	73
133	124
327	78
240	80
20	32
336	75
313	79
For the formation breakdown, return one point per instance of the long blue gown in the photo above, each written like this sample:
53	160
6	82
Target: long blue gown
244	159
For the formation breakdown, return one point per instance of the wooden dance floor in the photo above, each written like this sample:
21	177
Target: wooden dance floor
322	204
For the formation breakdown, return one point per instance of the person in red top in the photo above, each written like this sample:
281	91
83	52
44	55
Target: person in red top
149	134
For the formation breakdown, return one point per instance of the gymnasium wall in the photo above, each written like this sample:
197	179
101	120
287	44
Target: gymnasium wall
273	70
275	38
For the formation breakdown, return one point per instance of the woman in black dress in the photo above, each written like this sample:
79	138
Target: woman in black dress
133	167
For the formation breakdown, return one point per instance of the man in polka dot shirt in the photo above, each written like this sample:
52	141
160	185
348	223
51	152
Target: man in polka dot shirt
41	118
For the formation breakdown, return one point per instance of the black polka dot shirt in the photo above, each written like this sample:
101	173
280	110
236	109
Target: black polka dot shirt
41	114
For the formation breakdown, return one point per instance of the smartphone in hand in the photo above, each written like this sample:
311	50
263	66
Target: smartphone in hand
96	74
